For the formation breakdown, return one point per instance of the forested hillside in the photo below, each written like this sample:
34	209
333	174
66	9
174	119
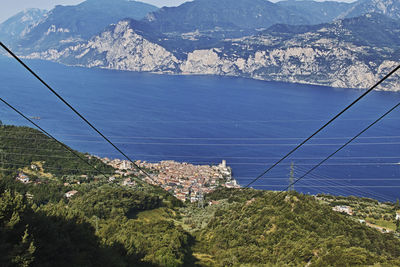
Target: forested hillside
20	146
290	228
108	223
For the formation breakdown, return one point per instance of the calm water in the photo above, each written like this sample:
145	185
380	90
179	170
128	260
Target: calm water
204	119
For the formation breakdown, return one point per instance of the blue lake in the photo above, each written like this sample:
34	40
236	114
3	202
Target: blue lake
204	119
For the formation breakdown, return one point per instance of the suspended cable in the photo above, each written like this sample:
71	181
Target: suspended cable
325	125
360	192
217	121
207	157
213	144
218	156
48	168
74	110
49	135
343	146
219	138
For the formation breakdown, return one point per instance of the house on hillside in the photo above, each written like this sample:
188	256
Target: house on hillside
128	182
343	209
181	197
397	215
71	193
23	178
213	202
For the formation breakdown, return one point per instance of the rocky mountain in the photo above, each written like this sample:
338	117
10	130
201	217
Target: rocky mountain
327	11
241	17
66	25
18	25
346	53
225	37
118	47
227	15
317	12
390	8
339	54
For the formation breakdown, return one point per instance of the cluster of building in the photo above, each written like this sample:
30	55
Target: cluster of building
185	181
344	209
190	182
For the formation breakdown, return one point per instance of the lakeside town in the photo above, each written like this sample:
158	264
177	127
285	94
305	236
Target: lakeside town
187	182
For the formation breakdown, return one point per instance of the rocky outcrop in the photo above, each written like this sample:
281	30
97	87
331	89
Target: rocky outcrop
322	56
296	64
119	48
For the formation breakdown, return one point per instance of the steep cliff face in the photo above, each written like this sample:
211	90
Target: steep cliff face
338	54
119	47
325	65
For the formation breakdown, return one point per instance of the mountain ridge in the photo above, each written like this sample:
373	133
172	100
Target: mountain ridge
226	14
390	8
337	54
349	52
66	25
18	25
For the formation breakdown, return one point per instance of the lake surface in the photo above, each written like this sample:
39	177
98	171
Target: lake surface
205	119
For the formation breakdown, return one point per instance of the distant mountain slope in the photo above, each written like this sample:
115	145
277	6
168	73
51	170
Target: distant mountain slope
390	8
226	14
373	30
118	47
352	52
18	25
70	24
317	12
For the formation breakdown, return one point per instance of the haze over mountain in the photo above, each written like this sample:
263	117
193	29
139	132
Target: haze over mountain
341	53
306	41
390	8
225	14
17	26
69	24
317	12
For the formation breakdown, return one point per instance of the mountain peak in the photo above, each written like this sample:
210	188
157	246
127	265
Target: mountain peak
390	8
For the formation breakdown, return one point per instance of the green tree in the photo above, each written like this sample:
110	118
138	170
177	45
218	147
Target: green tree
23	252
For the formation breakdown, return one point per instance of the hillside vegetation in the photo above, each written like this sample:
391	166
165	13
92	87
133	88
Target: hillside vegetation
106	223
21	146
292	229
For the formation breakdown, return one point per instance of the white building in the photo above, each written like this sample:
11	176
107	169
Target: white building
128	182
70	193
23	178
345	209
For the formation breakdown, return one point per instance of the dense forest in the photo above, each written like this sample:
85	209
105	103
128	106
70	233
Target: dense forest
108	224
